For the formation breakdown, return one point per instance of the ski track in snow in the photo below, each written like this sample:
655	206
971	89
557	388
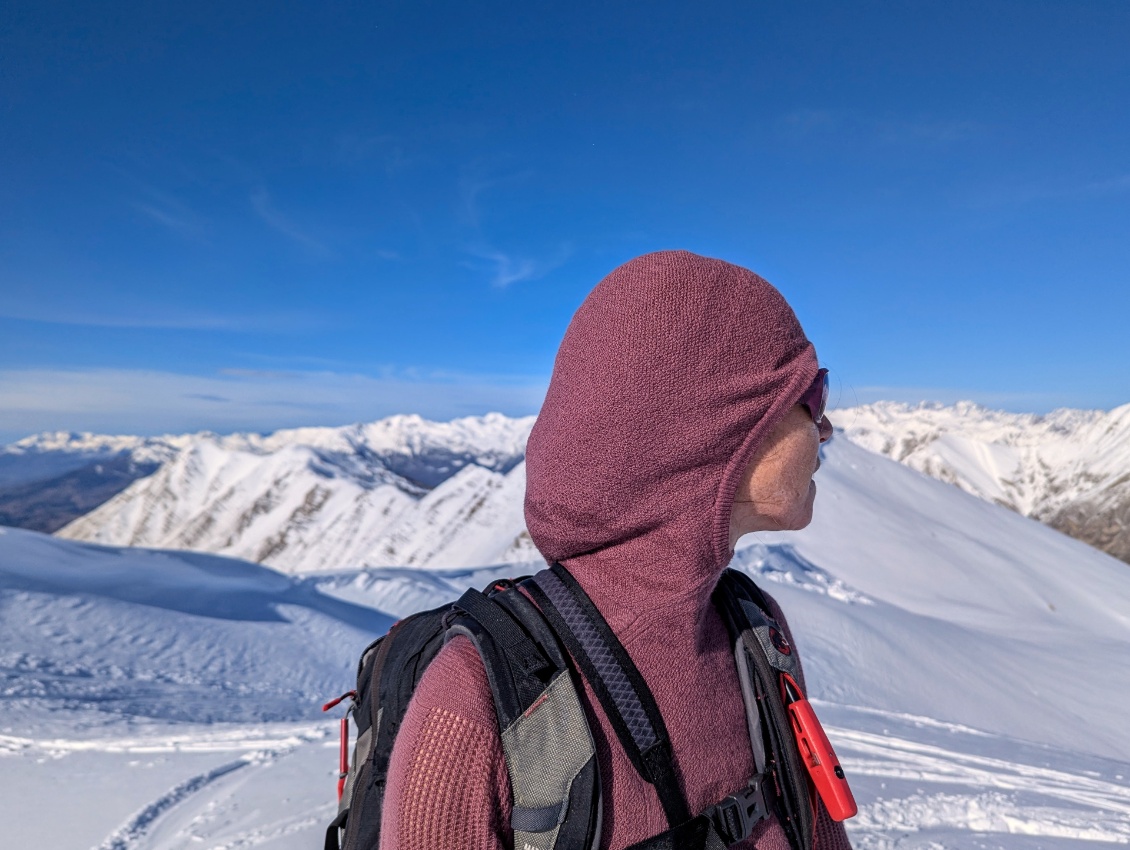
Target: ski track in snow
132	832
263	738
984	795
974	797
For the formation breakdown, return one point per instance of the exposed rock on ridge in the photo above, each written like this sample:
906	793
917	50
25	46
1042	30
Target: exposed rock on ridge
1069	468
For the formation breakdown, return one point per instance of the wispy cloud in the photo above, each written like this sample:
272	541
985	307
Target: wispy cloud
891	130
175	218
273	218
475	183
1051	188
806	122
352	149
162	207
151	402
174	319
506	269
1112	186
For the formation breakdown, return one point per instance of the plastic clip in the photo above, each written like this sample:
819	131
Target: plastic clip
737	815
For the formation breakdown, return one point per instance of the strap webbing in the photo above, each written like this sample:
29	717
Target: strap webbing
510	637
619	686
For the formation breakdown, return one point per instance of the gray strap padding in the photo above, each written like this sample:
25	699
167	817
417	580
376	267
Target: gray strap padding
763	629
749	700
611	673
538	820
361	751
545	750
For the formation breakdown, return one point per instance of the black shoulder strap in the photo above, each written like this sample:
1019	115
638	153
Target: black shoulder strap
545	736
616	681
516	666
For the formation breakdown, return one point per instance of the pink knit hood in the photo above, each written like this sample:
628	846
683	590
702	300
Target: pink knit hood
672	372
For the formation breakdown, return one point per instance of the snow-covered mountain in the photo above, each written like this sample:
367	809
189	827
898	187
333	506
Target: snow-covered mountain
1069	469
407	492
400	491
972	667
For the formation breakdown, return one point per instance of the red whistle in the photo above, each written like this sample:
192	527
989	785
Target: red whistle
817	754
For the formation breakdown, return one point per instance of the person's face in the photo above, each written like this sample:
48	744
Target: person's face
777	491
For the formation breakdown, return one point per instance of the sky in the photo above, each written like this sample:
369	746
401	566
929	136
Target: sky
259	215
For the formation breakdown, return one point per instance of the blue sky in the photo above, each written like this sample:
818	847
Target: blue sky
255	215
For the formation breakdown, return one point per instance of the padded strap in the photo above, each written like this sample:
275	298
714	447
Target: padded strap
616	681
549	751
510	638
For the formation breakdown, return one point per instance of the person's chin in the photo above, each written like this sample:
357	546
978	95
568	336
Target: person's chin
805	514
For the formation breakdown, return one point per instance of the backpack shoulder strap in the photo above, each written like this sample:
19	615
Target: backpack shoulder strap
617	682
631	708
550	755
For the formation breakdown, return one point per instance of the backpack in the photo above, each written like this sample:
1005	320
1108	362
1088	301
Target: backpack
534	656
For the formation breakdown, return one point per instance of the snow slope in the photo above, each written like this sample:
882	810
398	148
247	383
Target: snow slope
169	635
1069	469
973	667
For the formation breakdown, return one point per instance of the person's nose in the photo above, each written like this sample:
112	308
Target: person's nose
825	428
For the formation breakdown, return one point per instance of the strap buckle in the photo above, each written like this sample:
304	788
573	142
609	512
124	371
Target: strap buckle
737	815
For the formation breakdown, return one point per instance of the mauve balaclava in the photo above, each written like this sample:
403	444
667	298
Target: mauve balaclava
673	371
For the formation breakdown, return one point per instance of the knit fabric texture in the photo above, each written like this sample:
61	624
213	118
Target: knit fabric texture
447	785
671	374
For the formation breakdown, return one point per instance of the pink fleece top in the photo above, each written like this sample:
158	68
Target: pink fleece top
672	372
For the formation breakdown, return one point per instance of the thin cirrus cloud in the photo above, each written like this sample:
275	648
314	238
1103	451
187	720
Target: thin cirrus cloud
1053	188
175	320
177	220
136	401
839	123
505	269
849	396
265	208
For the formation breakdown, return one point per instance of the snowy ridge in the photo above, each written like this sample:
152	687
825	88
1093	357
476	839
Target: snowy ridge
401	491
407	492
1068	468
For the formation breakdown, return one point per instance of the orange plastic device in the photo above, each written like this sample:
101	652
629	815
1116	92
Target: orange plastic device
817	754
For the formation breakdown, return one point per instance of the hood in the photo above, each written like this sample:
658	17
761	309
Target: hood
671	374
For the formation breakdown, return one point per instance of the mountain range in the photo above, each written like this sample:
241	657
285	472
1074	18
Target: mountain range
404	491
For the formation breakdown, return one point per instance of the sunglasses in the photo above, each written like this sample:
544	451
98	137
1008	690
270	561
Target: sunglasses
815	398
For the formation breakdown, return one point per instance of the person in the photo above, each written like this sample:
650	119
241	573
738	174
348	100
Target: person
673	424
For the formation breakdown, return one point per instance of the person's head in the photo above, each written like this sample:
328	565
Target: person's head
673	375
